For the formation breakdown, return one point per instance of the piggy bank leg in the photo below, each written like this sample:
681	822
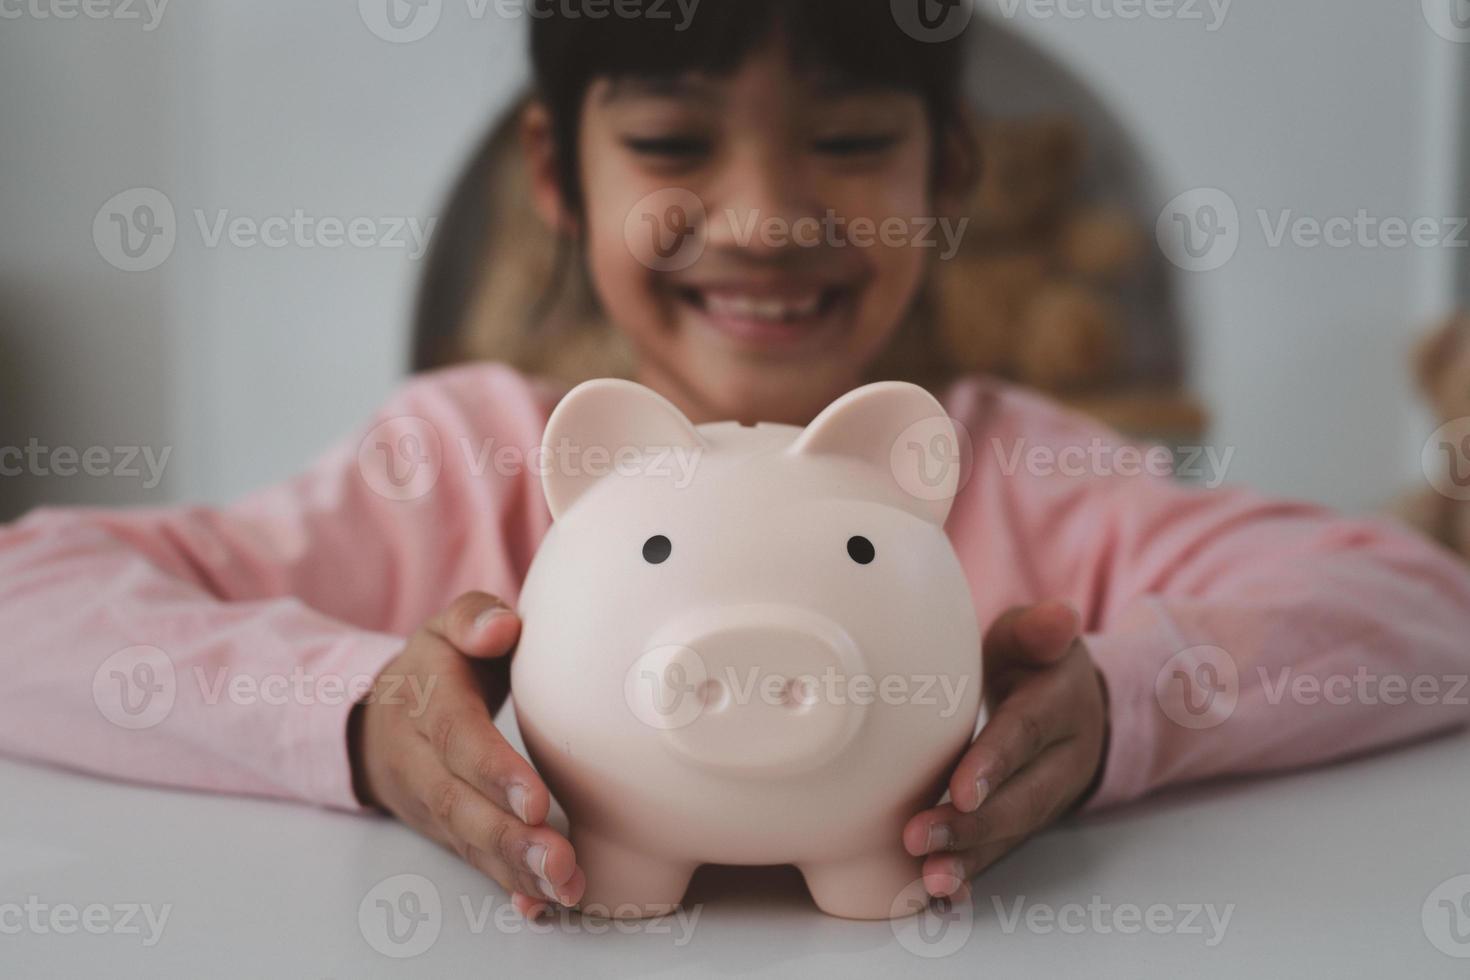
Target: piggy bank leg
885	884
626	883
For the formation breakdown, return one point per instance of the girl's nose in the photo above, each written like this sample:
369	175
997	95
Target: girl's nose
758	204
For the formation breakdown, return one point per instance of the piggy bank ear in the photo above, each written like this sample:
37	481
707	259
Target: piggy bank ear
597	428
903	433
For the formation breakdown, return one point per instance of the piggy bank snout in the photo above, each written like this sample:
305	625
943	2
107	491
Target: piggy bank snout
759	689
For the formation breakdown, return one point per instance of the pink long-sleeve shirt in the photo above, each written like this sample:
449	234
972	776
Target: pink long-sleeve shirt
222	649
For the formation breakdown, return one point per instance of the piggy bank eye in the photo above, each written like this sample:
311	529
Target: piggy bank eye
860	549
656	549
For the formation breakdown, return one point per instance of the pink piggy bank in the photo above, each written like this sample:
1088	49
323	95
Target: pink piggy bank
747	645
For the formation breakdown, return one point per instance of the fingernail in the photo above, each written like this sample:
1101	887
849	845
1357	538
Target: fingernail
489	616
536	859
548	889
982	790
940	837
515	795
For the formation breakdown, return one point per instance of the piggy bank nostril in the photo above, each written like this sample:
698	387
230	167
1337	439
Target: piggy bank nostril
799	694
712	695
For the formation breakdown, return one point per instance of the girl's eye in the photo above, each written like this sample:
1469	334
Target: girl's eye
657	549
860	549
668	147
849	146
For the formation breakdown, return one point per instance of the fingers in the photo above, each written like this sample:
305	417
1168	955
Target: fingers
531	908
948	875
960	845
1033	636
534	861
1019	808
1023	726
457	724
478	625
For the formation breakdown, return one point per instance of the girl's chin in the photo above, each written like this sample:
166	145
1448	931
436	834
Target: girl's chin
786	390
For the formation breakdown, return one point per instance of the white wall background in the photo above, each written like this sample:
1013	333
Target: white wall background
249	360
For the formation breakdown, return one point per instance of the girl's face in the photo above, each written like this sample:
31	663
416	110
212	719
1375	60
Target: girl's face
813	197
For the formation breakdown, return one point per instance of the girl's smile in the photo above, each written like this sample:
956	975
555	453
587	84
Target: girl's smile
770	316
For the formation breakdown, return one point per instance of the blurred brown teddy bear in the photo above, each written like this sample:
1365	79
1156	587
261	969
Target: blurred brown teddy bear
1033	295
1443	368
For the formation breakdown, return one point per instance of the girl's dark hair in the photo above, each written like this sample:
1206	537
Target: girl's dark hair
859	41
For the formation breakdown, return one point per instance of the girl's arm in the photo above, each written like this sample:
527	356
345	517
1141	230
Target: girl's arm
224	649
1234	634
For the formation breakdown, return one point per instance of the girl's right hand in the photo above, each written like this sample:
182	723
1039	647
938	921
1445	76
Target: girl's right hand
434	758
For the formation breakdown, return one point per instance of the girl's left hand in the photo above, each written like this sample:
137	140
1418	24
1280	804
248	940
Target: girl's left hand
1039	754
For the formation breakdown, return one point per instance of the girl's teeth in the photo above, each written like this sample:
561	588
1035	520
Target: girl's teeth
773	310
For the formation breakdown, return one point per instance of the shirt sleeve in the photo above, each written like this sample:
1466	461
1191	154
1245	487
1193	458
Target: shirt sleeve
1235	633
223	649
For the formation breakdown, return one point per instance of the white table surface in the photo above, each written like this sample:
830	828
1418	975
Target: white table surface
1336	872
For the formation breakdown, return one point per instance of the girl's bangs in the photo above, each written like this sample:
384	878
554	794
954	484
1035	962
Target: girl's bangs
857	40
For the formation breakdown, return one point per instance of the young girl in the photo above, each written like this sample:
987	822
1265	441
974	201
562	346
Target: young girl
1139	632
